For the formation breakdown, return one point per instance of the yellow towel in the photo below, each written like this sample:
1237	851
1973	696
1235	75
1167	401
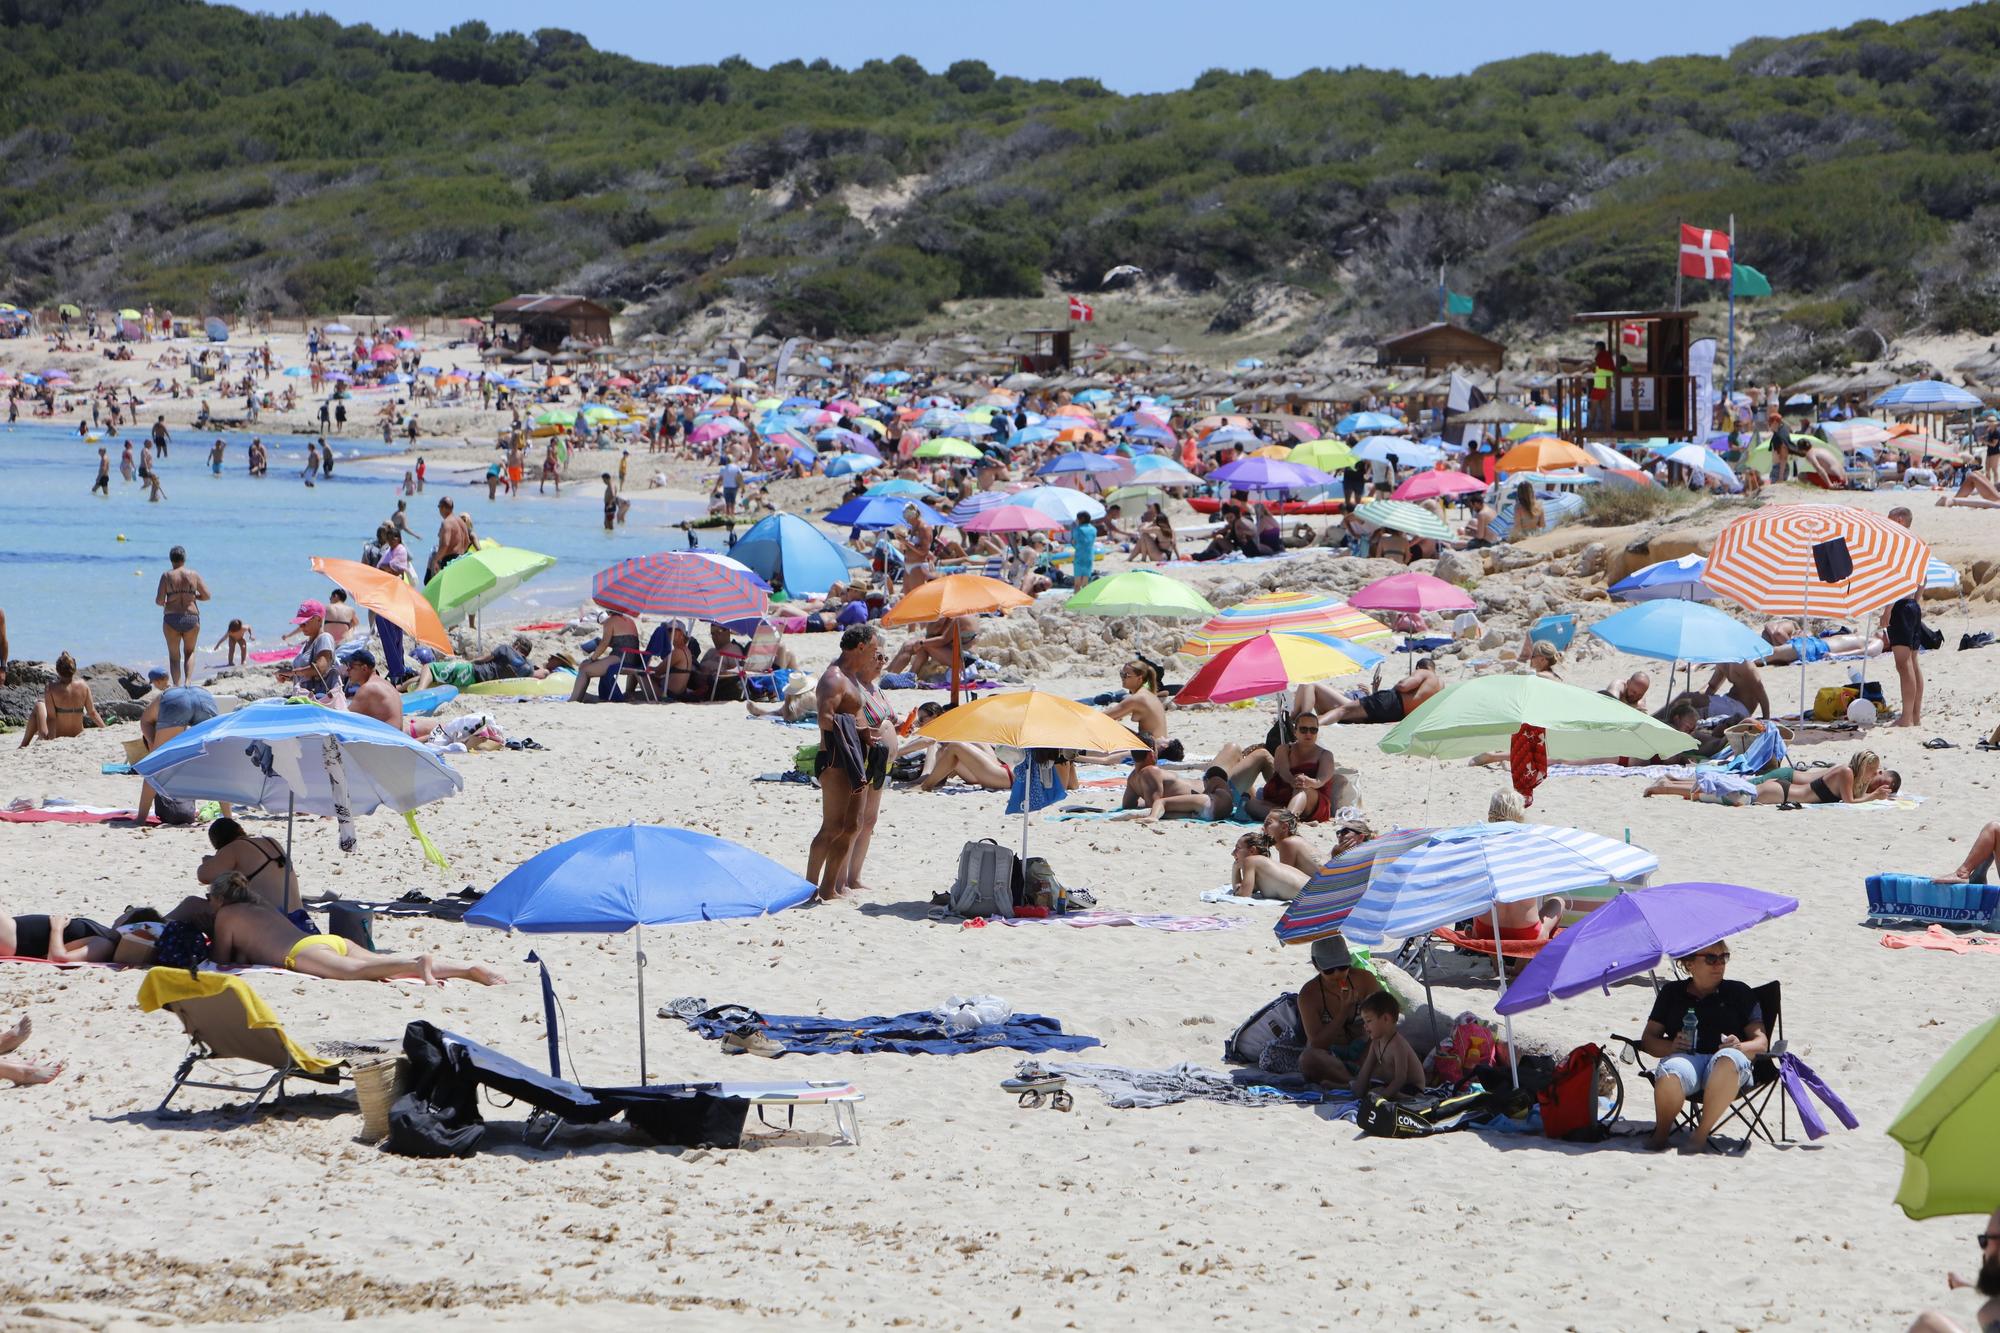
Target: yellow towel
171	985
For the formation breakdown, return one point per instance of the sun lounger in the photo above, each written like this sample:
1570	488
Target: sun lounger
227	1021
686	1114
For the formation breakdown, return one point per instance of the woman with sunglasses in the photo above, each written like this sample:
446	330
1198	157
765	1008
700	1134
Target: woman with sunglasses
1705	1030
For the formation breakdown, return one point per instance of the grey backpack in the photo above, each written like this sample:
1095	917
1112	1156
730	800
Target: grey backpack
985	883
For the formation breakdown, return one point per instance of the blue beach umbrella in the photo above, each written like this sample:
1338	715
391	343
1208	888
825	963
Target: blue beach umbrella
1679	577
1929	395
1676	630
1409	453
881	511
788	550
612	880
1363	423
847	465
1076	462
904	486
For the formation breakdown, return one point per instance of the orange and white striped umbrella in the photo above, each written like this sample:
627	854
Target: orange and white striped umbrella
1765	560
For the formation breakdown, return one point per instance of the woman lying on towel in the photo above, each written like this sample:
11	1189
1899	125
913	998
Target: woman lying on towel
249	930
1859	780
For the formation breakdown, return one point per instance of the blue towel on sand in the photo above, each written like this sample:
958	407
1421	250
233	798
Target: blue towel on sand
902	1034
1810	648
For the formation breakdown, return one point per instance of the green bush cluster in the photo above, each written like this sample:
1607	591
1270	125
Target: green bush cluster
343	163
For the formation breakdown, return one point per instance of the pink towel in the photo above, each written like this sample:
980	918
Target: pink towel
67	816
1943	941
273	655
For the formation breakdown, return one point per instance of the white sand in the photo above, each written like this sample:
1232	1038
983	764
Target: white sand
959	1208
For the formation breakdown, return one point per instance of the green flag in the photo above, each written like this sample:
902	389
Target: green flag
1747	281
1454	304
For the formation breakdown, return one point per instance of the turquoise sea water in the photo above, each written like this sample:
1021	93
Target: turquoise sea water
67	581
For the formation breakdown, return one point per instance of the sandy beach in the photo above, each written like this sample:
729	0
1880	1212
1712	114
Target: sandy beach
958	1208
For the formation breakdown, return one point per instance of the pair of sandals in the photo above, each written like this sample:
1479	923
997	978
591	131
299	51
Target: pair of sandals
528	743
1034	1089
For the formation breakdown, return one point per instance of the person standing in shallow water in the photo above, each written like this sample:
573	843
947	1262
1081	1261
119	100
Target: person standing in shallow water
179	598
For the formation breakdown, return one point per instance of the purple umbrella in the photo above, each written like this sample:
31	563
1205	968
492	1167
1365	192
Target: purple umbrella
1631	933
1269	474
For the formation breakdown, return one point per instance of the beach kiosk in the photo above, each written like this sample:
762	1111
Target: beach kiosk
1050	353
1643	373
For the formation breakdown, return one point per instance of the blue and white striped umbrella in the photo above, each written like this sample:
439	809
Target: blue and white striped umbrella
1937	574
1932	395
1462	872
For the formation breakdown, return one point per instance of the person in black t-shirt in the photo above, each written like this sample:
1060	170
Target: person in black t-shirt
1729	1033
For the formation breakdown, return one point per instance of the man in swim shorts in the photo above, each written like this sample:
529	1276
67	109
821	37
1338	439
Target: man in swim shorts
1392	705
249	930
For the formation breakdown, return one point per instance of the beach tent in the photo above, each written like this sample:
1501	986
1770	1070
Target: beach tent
218	332
792	554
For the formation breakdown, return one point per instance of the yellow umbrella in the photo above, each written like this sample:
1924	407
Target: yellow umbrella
1272	451
1030	720
388	597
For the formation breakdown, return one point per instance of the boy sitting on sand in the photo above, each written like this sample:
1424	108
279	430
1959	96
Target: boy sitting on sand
1391	1059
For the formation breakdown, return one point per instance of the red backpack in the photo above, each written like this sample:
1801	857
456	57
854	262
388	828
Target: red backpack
1569	1102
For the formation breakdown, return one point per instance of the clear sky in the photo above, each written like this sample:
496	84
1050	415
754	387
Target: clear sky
1136	45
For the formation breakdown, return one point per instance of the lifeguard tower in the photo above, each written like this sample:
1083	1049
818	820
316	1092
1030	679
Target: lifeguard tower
1650	394
1050	354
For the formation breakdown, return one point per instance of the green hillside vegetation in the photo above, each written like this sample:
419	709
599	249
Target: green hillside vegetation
208	160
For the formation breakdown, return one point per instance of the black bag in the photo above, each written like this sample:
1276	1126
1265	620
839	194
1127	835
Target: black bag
1928	638
1421	1117
1832	561
439	1115
172	810
692	1120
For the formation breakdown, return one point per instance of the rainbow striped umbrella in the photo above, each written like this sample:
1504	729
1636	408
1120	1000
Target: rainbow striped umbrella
1298	612
1272	664
1322	906
692	584
1765	560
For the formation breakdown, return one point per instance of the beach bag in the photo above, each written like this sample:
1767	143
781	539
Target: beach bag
1039	885
1830	704
985	883
1420	1117
806	759
182	945
1569	1102
1929	639
1276	1024
174	811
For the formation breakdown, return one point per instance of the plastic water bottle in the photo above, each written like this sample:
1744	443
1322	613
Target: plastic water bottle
1691	1029
1062	900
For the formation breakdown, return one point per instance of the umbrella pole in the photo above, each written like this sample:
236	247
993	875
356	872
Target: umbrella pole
291	802
1027	788
639	970
1500	969
957	661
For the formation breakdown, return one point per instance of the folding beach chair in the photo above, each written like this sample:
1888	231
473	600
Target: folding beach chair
228	1023
759	658
1752	1100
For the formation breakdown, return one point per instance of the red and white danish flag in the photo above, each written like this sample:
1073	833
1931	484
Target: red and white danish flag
1078	310
1704	253
1632	335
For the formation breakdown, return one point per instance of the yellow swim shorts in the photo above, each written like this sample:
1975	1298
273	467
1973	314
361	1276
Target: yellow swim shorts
333	942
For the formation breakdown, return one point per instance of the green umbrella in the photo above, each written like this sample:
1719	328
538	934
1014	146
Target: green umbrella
1482	714
1328	455
946	448
1142	494
556	416
482	576
1405	517
1141	592
1946	1130
67	309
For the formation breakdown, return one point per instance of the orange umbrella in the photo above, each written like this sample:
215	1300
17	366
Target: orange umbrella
952	596
387	596
1543	453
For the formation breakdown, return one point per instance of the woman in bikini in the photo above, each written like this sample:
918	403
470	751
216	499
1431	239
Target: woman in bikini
179	596
842	765
878	732
65	703
1142	709
618	642
918	556
1860	780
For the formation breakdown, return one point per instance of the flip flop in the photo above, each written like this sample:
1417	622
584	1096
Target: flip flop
1939	743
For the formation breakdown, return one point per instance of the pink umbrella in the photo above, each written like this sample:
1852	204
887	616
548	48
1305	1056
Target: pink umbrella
1013	518
621	382
703	434
1428	485
1412	592
1302	430
383	354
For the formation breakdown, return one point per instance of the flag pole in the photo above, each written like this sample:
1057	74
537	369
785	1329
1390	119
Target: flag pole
1679	259
1730	392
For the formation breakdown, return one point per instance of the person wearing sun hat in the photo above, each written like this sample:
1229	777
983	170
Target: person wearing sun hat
1330	1013
313	668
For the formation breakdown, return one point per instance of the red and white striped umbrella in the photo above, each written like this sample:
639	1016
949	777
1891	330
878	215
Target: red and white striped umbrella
1765	560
